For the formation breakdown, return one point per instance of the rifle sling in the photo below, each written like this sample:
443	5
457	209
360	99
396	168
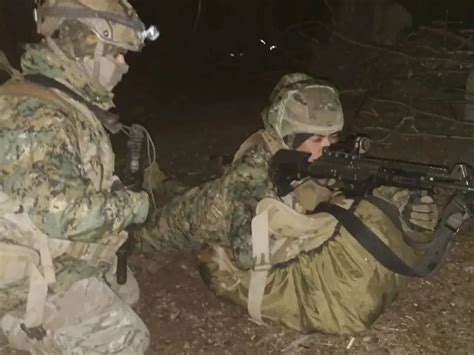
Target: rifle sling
379	250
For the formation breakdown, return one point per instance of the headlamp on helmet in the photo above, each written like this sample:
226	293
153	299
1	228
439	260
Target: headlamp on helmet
114	22
151	33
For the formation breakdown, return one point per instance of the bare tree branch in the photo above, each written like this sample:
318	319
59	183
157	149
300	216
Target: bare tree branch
448	34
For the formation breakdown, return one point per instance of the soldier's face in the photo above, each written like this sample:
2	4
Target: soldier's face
315	145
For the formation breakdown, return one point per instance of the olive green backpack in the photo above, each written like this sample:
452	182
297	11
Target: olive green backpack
313	275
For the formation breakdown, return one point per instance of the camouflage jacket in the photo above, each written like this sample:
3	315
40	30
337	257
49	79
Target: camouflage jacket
57	161
219	211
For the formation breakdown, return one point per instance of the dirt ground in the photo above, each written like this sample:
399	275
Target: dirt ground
431	316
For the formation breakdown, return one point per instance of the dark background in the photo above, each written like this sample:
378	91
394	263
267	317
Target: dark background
224	23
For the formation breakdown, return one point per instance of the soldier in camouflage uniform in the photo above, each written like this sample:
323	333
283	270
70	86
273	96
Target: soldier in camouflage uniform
312	285
62	217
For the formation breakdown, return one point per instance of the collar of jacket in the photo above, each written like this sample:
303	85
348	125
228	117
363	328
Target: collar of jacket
39	59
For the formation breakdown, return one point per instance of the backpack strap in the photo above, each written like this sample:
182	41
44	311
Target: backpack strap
21	224
42	88
25	88
261	266
110	120
25	250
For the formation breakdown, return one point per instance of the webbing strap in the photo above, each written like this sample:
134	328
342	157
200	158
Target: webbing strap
23	88
19	260
29	235
15	263
259	272
36	299
111	121
93	253
45	258
41	87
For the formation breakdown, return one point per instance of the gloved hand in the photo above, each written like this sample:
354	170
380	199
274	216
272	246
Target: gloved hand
421	212
139	205
138	202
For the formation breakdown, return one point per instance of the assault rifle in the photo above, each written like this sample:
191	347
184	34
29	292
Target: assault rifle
132	179
357	175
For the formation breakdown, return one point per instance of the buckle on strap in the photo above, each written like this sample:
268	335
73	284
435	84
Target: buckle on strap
260	264
37	333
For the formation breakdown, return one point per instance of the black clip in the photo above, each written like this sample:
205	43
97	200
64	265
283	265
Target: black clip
37	333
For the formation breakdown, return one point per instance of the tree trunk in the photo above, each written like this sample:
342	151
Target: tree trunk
469	98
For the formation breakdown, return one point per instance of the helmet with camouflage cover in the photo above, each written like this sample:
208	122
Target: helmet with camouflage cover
93	33
114	22
300	104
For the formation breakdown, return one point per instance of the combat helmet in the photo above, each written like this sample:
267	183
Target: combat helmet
300	104
115	24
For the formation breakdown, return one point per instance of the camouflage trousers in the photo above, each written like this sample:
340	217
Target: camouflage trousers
92	317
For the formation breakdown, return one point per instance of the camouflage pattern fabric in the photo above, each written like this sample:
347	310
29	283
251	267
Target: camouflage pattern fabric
219	211
76	40
272	114
103	324
40	59
58	163
287	112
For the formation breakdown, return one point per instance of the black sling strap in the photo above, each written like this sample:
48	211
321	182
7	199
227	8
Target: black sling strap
427	263
110	120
